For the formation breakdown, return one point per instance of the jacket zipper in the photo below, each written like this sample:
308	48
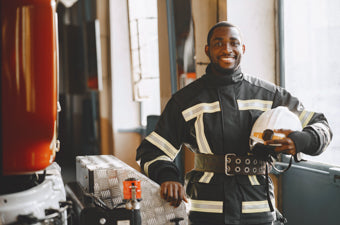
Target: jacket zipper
222	118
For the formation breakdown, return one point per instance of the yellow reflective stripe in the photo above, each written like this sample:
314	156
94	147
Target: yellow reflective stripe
206	177
206	206
305	117
255	206
255	104
200	136
201	108
253	180
162	144
147	164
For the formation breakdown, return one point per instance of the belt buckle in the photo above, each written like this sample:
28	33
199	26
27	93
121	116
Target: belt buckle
226	166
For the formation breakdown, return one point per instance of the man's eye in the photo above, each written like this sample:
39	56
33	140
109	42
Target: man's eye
218	44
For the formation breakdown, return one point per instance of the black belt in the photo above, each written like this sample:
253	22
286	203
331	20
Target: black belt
230	164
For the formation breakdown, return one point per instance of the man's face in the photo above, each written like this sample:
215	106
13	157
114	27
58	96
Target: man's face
225	49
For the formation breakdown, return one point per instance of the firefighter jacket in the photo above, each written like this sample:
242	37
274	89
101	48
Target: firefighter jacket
215	115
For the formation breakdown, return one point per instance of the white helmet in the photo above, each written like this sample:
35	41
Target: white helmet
277	118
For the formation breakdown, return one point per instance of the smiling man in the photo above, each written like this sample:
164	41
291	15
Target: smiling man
213	117
224	49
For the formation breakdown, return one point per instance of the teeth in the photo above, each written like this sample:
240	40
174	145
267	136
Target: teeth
227	59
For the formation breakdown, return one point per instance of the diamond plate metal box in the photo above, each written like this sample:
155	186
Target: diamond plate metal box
103	175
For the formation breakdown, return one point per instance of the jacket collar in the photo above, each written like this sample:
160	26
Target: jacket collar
218	80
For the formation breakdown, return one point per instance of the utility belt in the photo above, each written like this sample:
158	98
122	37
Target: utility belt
230	164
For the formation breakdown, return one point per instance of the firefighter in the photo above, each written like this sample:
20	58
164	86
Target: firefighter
213	116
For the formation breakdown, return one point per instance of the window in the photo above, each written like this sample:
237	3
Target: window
144	56
312	62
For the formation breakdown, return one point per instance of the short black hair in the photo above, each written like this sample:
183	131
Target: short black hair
219	24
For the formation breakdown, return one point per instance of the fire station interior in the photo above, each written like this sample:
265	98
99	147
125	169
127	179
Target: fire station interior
91	77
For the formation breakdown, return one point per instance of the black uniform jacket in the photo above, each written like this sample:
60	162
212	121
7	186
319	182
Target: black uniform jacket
215	115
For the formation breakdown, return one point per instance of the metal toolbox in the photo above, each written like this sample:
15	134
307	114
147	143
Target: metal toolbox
103	175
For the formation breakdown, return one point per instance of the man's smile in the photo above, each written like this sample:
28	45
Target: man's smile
227	59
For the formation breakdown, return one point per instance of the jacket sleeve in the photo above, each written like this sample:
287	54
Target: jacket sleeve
316	134
158	150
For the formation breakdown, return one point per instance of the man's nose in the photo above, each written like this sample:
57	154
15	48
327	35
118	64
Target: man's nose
227	47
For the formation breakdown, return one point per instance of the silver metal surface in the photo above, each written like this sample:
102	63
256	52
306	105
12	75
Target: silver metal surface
103	175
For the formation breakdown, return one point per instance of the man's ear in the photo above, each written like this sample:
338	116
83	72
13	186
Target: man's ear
206	49
243	48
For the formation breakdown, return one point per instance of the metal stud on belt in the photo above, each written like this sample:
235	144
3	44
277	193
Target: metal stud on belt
243	165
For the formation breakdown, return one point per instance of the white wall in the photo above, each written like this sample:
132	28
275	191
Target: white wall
256	19
125	110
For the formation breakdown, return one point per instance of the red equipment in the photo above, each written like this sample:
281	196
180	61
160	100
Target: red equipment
28	85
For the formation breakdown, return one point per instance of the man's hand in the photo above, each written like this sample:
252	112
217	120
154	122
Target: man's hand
285	145
173	192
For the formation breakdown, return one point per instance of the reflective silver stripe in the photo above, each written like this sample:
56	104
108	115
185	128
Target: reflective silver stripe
199	109
206	206
206	177
255	206
200	136
256	104
163	145
147	164
253	180
305	117
325	138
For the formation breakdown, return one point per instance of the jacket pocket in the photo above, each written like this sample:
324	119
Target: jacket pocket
200	185
254	194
